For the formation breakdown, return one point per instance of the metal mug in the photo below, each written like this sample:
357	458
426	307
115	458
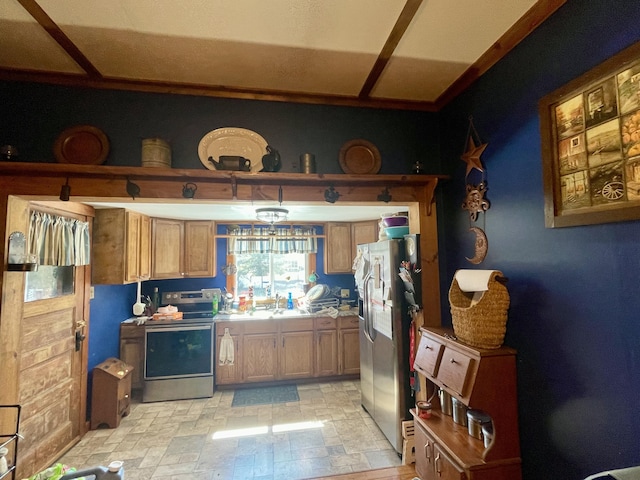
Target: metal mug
445	402
308	163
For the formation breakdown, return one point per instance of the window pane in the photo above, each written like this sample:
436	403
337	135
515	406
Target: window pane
271	273
49	282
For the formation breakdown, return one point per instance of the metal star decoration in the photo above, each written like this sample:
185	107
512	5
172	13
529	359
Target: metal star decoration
472	156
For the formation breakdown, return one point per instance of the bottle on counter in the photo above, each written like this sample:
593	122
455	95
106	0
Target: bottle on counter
290	302
215	302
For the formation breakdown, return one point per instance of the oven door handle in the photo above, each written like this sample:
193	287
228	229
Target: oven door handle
178	329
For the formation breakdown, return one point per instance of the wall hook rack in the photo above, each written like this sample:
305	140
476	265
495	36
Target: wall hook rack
331	195
385	196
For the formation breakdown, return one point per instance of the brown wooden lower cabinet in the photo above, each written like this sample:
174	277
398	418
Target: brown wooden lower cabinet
289	349
132	351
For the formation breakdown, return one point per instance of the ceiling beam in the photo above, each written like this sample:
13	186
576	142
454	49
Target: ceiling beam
404	20
58	35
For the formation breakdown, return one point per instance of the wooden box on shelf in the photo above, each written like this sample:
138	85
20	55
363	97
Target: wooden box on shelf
482	380
110	393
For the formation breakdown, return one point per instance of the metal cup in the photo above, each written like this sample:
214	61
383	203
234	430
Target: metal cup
308	163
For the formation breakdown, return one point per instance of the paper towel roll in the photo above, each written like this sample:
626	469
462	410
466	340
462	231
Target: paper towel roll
474	280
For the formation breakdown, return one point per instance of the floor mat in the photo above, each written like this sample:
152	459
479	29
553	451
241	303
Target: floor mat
258	396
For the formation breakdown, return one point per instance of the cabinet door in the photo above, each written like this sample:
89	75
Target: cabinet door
259	359
424	453
445	467
132	351
296	355
363	232
144	260
337	255
168	248
132	247
349	345
326	352
198	253
229	373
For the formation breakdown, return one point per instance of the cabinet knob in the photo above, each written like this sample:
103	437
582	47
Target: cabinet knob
126	396
453	360
428	347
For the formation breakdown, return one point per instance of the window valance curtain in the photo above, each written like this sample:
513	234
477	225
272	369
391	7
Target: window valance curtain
272	240
59	241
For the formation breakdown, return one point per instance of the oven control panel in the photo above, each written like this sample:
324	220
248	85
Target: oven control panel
190	297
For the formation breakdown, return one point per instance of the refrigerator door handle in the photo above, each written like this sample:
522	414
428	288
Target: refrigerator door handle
368	326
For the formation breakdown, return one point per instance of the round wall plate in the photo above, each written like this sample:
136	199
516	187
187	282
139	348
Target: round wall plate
360	157
82	144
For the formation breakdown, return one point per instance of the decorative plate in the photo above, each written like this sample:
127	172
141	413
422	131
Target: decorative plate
360	157
83	145
232	142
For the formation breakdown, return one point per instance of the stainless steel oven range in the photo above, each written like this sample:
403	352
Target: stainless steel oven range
178	354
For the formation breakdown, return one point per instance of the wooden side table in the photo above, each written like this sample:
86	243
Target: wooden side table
110	393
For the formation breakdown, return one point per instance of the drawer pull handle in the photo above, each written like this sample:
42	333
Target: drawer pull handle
453	360
428	347
437	464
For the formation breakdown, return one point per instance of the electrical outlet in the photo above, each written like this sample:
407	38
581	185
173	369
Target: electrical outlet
344	293
92	293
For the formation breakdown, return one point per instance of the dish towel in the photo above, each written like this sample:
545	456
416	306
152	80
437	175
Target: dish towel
631	473
227	353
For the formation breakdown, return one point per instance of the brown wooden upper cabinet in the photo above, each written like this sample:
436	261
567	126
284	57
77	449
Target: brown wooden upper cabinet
341	240
182	248
121	246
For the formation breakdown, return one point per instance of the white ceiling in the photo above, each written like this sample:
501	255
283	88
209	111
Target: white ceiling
398	53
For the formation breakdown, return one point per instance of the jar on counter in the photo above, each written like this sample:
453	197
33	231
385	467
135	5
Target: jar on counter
475	420
424	409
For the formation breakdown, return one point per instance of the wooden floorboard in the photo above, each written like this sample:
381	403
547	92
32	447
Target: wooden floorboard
405	472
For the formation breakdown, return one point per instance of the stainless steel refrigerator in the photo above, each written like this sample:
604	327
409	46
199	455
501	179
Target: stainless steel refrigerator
384	337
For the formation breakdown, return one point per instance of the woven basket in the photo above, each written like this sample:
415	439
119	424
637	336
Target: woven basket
483	324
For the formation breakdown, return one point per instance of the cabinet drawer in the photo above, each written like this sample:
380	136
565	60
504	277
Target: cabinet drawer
445	467
325	323
260	326
349	322
428	356
296	325
235	328
128	330
454	369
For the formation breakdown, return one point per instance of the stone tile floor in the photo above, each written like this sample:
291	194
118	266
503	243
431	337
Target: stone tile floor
207	439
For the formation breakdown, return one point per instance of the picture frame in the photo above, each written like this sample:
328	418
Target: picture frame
590	134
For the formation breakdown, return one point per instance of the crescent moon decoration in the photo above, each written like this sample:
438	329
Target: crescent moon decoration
482	246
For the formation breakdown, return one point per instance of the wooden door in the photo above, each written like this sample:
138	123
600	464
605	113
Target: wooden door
259	359
168	248
337	255
296	355
44	367
349	345
132	247
229	373
198	255
326	352
363	232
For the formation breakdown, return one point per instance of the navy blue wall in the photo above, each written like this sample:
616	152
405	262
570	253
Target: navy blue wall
574	291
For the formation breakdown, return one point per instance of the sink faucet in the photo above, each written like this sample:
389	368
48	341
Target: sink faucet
276	306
